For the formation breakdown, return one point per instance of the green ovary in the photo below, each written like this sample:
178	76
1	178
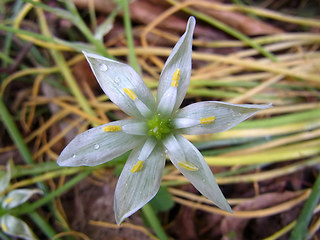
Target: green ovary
159	126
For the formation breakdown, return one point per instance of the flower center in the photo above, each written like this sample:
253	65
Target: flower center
159	126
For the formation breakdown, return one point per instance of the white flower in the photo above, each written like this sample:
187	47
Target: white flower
154	130
10	224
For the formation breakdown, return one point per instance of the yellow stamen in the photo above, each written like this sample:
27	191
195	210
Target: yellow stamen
137	167
175	78
188	166
4	227
207	120
8	200
112	128
130	93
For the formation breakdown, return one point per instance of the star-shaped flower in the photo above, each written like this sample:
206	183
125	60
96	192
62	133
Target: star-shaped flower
154	130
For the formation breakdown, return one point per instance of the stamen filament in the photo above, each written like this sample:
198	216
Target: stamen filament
168	101
147	148
143	109
139	128
137	167
207	120
185	122
112	128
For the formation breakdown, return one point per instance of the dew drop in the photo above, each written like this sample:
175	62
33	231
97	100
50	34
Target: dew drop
96	146
73	156
203	180
166	151
117	80
103	68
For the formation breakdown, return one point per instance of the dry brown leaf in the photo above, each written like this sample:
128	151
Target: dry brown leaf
93	200
144	12
241	22
141	11
236	226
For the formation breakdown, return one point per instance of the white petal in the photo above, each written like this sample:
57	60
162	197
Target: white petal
147	148
4	180
138	128
96	146
167	102
185	122
17	197
16	228
226	115
202	178
134	190
113	77
142	108
180	58
172	145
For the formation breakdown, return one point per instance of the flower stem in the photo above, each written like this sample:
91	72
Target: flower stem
153	221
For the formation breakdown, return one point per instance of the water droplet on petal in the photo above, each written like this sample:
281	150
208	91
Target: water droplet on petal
103	68
166	151
96	146
117	80
73	156
203	180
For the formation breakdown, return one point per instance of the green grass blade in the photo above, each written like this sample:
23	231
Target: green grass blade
300	231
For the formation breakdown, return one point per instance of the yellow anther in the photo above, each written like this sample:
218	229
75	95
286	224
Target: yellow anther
175	78
4	227
207	120
8	200
130	93
188	166
137	167
112	128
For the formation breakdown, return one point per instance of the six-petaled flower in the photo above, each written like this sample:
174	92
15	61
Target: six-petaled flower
154	130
